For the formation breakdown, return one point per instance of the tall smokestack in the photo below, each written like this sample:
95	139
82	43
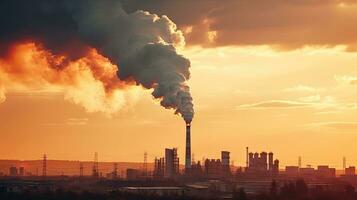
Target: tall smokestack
188	147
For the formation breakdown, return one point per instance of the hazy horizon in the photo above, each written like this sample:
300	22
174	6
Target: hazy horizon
277	76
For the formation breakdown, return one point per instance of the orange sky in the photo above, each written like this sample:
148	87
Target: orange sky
295	103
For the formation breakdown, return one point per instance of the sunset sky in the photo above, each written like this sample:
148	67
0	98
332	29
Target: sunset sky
274	75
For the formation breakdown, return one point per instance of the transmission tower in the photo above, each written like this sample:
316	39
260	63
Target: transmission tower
44	165
344	163
299	162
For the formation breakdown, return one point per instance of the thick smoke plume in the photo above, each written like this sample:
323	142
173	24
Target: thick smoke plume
73	38
90	81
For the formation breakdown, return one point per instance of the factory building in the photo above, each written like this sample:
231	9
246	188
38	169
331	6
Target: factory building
226	170
307	171
159	168
171	163
196	170
262	163
292	171
350	171
13	171
167	167
21	171
324	171
218	168
275	169
213	168
132	174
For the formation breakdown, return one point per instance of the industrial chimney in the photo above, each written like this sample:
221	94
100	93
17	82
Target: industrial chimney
188	148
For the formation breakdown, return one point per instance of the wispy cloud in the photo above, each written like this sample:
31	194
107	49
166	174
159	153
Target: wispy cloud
334	125
47	92
312	98
44	90
315	101
304	88
351	80
273	104
76	121
69	122
241	92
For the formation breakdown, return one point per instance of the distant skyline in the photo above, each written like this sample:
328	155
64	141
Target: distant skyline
281	77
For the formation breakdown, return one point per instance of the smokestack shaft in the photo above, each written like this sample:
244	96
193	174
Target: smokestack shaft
188	147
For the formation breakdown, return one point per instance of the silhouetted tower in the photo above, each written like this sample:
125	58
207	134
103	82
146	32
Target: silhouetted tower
271	161
344	163
115	171
276	167
299	162
247	157
225	163
95	172
81	169
145	166
188	148
44	165
263	163
176	161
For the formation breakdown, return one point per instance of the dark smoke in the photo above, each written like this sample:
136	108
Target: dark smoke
141	44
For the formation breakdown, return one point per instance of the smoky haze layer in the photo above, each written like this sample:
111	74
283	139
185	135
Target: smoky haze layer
141	44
